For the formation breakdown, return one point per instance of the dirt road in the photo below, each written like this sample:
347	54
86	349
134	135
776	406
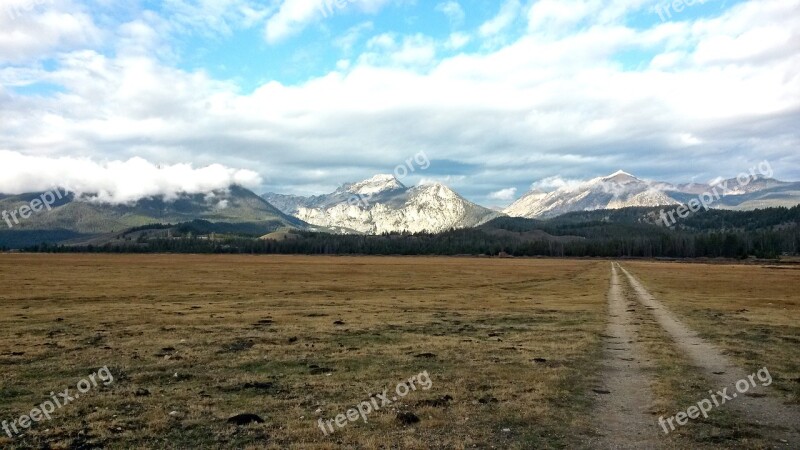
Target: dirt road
779	422
624	396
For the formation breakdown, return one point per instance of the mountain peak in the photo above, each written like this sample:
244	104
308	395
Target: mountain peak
375	185
619	175
382	177
436	188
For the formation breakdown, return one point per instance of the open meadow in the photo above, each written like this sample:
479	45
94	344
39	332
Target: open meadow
504	353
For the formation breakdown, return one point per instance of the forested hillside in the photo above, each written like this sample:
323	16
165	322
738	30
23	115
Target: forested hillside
620	233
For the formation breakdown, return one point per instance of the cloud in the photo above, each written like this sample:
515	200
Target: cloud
507	15
504	194
32	29
390	49
555	183
558	15
347	41
457	40
116	182
294	15
453	10
215	17
720	92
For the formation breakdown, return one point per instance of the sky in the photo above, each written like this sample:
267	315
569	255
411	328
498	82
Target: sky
300	96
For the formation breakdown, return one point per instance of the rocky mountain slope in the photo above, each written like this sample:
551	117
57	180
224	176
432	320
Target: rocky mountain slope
382	204
622	190
616	191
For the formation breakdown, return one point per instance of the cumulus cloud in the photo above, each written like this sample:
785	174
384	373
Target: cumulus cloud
31	29
294	15
116	182
457	40
721	92
555	183
504	194
453	10
507	15
389	49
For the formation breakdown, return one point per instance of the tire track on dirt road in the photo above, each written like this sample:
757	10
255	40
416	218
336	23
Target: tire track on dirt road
778	421
624	397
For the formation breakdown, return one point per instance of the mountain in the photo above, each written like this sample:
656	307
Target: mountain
72	217
759	193
616	191
374	190
382	204
622	190
628	232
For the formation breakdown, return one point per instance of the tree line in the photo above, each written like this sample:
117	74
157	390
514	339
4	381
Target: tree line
630	232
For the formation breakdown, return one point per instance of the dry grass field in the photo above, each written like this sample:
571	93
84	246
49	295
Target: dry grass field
512	347
295	339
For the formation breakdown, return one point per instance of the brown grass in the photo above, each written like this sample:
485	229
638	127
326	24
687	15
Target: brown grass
220	322
244	334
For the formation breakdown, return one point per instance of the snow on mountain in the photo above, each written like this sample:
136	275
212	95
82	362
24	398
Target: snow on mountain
375	189
616	191
527	206
375	185
382	204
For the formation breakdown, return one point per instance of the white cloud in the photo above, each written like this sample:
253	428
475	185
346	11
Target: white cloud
453	10
457	40
31	29
507	15
557	13
116	182
348	40
399	51
214	17
504	194
545	104
556	182
294	15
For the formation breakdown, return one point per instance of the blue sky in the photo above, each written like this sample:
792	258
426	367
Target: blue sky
309	94
316	47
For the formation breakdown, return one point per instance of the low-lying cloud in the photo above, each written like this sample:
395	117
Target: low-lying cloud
504	194
116	182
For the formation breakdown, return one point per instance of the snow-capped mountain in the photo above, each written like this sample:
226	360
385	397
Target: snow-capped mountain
376	185
758	192
622	190
382	204
616	191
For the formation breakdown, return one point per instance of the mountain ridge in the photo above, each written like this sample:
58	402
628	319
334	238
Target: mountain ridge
233	205
382	204
623	190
